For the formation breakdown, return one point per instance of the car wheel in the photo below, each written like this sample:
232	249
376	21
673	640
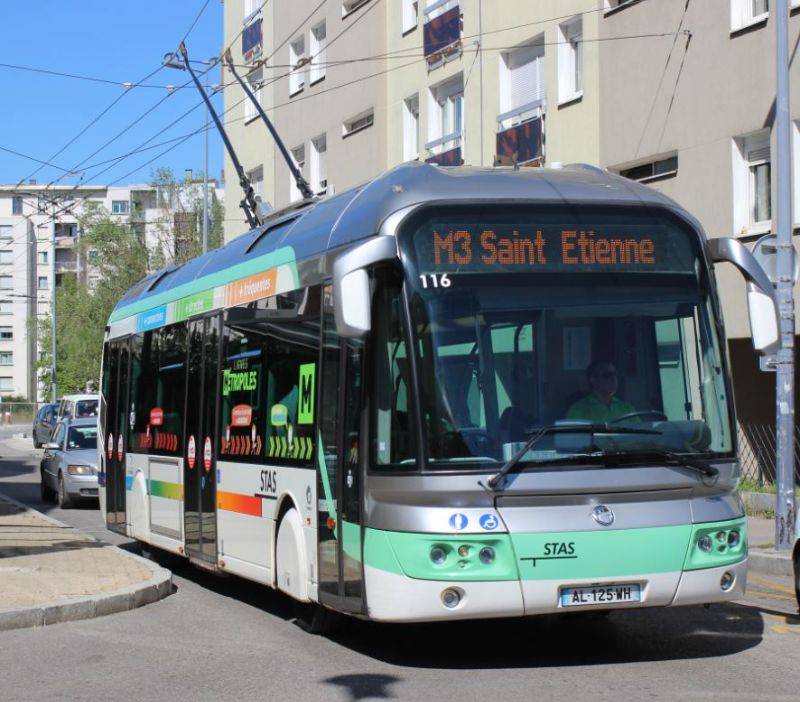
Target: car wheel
37	444
46	491
797	575
64	500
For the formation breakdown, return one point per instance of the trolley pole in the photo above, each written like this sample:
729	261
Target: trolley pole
785	510
205	175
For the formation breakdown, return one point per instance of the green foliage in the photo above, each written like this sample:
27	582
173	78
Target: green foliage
119	255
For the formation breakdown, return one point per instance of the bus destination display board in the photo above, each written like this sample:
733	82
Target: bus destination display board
450	246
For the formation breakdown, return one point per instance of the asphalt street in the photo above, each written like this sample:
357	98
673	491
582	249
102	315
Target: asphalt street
226	637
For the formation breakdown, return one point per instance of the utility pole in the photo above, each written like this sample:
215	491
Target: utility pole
53	299
785	511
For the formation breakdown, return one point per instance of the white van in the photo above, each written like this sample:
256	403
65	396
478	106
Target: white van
74	406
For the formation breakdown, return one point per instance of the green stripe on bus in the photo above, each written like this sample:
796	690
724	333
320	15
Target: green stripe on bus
555	556
170	491
282	257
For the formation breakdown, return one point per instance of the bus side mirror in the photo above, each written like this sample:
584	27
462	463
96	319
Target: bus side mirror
762	306
352	296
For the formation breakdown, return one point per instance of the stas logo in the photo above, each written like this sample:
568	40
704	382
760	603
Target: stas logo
554	551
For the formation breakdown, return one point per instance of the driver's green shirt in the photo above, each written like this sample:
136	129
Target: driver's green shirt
591	409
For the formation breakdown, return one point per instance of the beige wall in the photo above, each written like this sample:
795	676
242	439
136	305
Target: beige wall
691	96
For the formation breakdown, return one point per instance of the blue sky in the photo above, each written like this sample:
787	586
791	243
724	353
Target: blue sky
121	41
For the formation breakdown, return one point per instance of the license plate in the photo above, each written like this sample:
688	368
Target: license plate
599	594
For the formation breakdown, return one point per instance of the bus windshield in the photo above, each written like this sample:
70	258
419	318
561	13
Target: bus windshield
523	320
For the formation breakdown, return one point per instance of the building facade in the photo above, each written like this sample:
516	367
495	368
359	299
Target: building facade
39	232
676	94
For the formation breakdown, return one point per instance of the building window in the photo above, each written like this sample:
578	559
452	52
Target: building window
251	33
6	333
43	282
652	170
319	164
5	233
256	178
410	15
6	256
120	207
42	307
356	124
254	79
570	60
299	157
6	384
748	12
43	258
446	118
297	57
16	205
522	84
610	5
752	184
411	128
319	55
349	6
6	282
6	307
6	358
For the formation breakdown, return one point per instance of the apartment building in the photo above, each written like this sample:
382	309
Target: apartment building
687	103
676	94
357	86
39	231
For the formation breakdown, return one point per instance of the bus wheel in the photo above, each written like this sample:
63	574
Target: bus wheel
316	619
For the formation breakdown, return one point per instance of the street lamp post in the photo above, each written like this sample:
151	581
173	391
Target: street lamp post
54	388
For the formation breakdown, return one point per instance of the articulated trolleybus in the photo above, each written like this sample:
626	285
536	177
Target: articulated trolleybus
368	401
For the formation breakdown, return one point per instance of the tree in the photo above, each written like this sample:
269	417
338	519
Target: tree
120	257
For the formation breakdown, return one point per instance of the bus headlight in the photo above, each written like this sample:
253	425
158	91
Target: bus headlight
438	555
733	538
704	543
486	555
451	597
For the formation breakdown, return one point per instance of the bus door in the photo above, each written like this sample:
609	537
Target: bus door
341	571
199	469
116	435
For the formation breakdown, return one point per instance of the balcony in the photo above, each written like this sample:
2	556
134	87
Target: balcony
442	30
445	151
521	142
252	41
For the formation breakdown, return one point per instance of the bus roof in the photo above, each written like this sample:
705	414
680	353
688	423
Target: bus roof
358	213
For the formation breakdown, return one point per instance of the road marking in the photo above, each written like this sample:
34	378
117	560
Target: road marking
774	586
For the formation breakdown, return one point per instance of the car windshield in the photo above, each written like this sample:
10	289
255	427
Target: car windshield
510	337
82	438
86	408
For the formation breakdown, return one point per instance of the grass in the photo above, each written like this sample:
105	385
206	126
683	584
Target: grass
748	485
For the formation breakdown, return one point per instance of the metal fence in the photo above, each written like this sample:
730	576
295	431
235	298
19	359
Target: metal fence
17	412
757	452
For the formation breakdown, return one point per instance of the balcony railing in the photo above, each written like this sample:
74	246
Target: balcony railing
446	150
447	158
442	31
521	144
251	41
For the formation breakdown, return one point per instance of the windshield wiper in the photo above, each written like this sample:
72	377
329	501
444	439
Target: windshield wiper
539	432
691	463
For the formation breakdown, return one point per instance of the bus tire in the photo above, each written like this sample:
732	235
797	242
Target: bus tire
316	619
290	557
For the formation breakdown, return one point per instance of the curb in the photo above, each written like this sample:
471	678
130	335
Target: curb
770	561
156	588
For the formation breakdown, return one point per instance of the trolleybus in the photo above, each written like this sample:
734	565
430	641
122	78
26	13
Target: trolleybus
364	402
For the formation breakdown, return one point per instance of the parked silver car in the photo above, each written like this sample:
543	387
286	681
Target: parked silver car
69	465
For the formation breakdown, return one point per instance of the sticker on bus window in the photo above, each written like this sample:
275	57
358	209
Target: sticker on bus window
207	454
241	416
305	413
156	417
279	416
120	454
110	446
191	452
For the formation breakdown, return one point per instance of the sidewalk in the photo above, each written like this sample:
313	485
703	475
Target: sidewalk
50	572
762	554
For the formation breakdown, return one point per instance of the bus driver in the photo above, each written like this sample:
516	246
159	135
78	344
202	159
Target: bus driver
600	405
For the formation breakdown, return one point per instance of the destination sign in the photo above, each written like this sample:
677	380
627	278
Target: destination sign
511	244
